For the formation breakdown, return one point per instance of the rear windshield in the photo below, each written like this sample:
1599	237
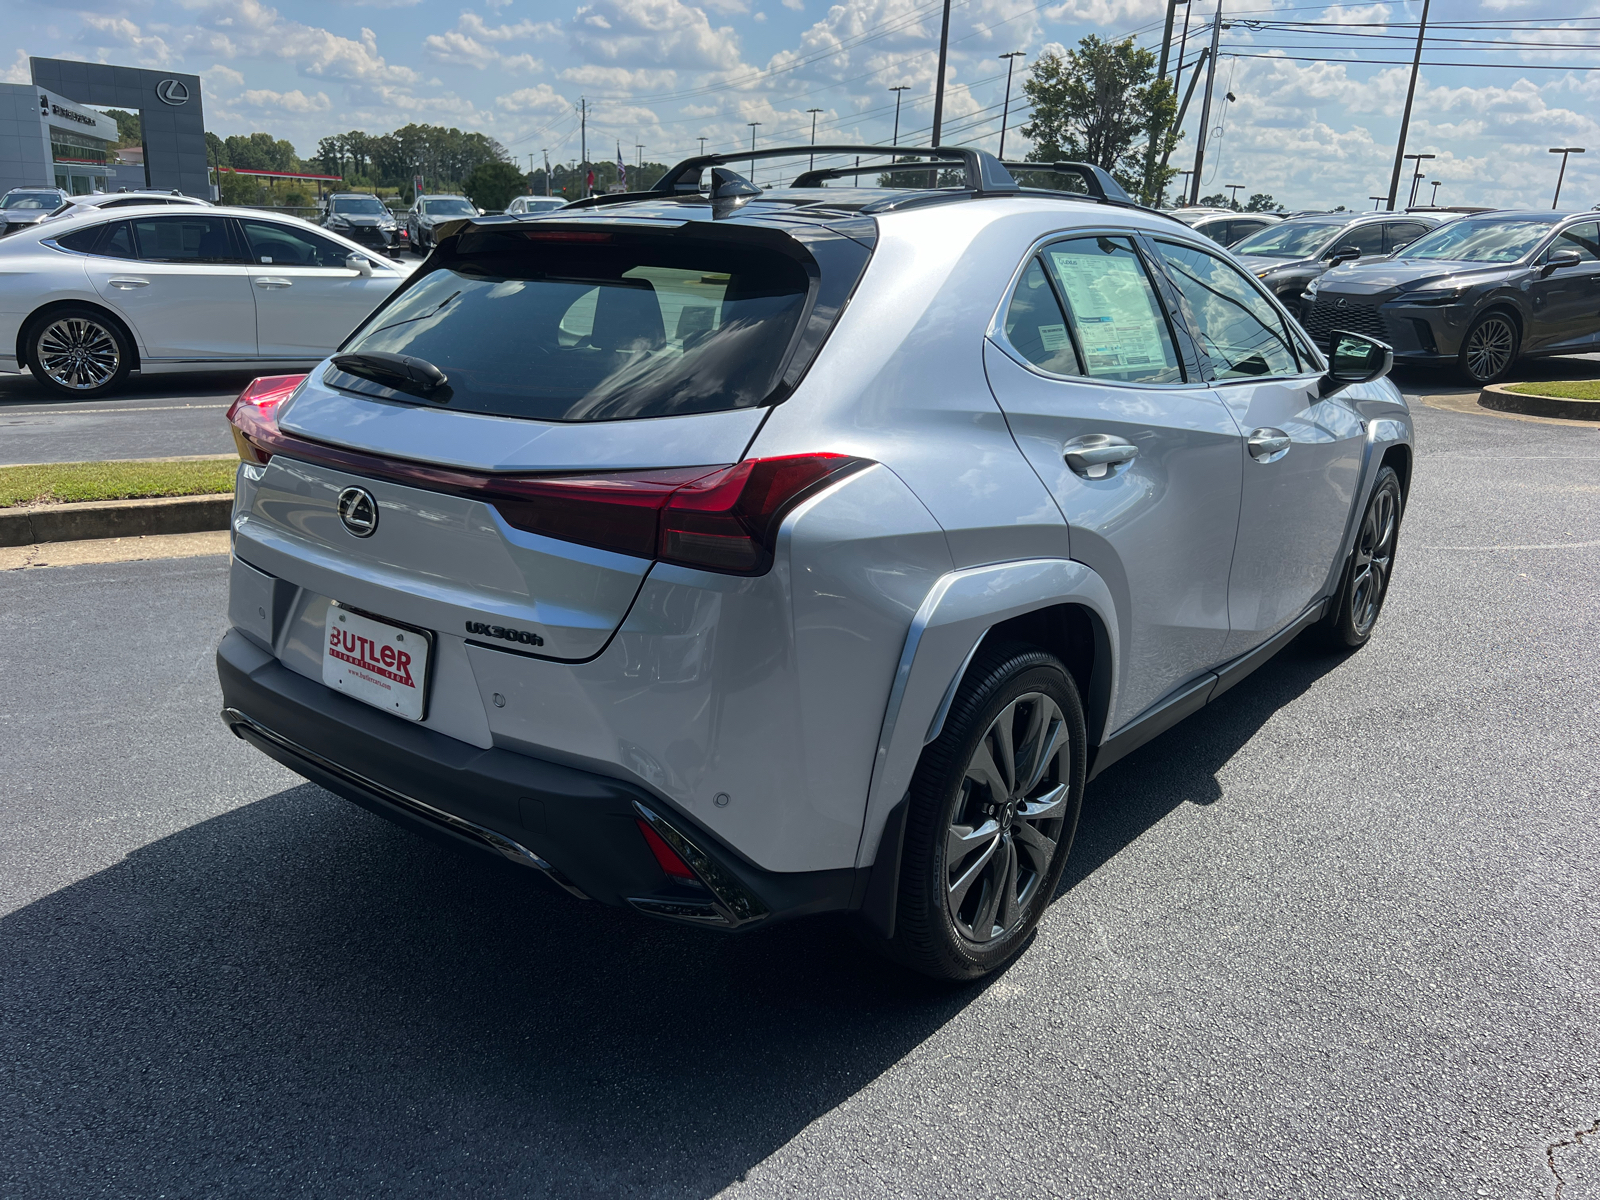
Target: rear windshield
1288	239
563	332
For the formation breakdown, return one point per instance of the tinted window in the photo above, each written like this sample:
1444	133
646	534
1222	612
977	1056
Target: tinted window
653	327
1402	233
31	201
1112	307
81	240
118	242
1289	239
1035	326
1236	327
284	246
366	206
448	208
1366	238
1491	241
1585	239
183	239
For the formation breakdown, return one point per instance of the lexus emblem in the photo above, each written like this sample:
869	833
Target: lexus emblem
172	91
1342	302
358	511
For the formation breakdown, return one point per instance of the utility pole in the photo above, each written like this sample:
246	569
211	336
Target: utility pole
1183	111
1205	106
895	141
938	89
1005	111
813	111
583	142
639	161
546	153
1416	179
752	125
1405	116
1563	151
1154	131
1234	199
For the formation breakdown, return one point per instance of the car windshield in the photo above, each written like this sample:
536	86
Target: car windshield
448	208
1289	239
364	206
32	201
1495	241
656	327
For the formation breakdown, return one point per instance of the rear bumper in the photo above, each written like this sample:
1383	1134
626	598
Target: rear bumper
577	828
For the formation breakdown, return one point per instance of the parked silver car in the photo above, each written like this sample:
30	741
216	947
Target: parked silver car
737	555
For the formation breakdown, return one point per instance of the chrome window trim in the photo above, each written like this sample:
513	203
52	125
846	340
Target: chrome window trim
996	332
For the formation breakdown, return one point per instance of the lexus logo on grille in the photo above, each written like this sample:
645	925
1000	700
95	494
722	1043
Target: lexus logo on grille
172	91
358	511
1342	302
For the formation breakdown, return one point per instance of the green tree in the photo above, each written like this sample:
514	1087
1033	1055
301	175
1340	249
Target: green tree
1217	200
1262	202
261	152
1102	104
216	151
491	185
128	133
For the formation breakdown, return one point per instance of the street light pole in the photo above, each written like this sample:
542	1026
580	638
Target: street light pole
895	141
1376	200
1405	116
702	147
1005	111
1433	201
752	125
938	90
1563	151
1235	189
1416	178
812	162
1184	191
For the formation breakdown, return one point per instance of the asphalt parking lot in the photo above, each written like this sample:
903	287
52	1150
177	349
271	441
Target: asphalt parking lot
1338	935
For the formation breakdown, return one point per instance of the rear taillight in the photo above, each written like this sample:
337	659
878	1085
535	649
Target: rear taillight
254	415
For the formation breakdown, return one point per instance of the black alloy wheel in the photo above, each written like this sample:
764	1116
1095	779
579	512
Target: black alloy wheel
1489	348
1349	623
79	352
993	809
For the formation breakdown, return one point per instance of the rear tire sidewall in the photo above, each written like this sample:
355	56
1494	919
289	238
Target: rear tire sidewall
926	937
1516	346
36	330
1339	627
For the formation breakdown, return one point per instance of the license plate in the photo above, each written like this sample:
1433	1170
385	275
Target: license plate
382	664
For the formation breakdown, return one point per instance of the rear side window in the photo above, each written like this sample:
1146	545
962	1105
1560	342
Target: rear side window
1368	239
1112	308
184	239
1585	239
1237	329
114	240
1402	233
559	331
1036	326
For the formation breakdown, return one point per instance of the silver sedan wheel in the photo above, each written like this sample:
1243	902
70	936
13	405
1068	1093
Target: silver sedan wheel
78	353
1008	818
1374	559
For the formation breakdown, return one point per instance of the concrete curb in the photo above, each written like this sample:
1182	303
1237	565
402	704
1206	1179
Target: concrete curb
1496	396
114	518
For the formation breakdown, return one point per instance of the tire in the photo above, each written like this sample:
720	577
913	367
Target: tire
1489	349
78	351
1358	603
978	869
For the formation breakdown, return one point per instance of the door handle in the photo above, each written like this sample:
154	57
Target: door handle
126	282
1268	445
266	281
1095	455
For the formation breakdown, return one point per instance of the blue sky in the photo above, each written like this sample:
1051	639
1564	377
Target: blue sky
666	72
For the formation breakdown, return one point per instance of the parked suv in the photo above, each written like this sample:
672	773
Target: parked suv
1290	255
429	211
735	556
22	207
526	205
1478	293
1224	225
365	220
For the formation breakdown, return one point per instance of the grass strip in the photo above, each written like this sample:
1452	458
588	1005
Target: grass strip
72	483
1573	389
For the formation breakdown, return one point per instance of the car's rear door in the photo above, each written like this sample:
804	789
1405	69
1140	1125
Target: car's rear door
1302	453
183	285
1566	301
307	299
1143	462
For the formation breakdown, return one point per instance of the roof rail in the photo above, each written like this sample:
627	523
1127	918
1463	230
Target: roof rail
1097	181
985	175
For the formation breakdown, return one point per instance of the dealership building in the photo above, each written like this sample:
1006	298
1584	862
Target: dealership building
52	136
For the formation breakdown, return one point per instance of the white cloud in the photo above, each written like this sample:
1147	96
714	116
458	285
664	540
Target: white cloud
473	43
293	102
726	8
19	70
534	100
796	5
620	79
121	38
661	33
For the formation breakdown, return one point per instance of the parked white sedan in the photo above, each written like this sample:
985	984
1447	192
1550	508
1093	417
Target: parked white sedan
87	298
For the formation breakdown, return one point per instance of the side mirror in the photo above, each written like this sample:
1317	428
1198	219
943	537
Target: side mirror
1343	254
1355	358
359	262
1559	259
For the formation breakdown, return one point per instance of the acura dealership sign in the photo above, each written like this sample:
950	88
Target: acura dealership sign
172	91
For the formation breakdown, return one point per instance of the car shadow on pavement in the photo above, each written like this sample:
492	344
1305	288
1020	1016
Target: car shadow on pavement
296	997
23	389
1180	766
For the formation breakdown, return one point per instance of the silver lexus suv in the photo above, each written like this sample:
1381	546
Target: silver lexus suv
737	555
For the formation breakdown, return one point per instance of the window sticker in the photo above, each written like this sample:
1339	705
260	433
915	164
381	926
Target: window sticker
1054	337
1111	300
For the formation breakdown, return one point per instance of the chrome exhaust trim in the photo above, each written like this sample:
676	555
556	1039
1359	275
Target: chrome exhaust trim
732	904
498	842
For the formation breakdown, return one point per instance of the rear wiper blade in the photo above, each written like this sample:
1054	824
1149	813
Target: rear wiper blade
397	372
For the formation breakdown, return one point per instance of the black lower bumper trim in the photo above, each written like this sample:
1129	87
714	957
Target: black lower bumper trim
577	828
